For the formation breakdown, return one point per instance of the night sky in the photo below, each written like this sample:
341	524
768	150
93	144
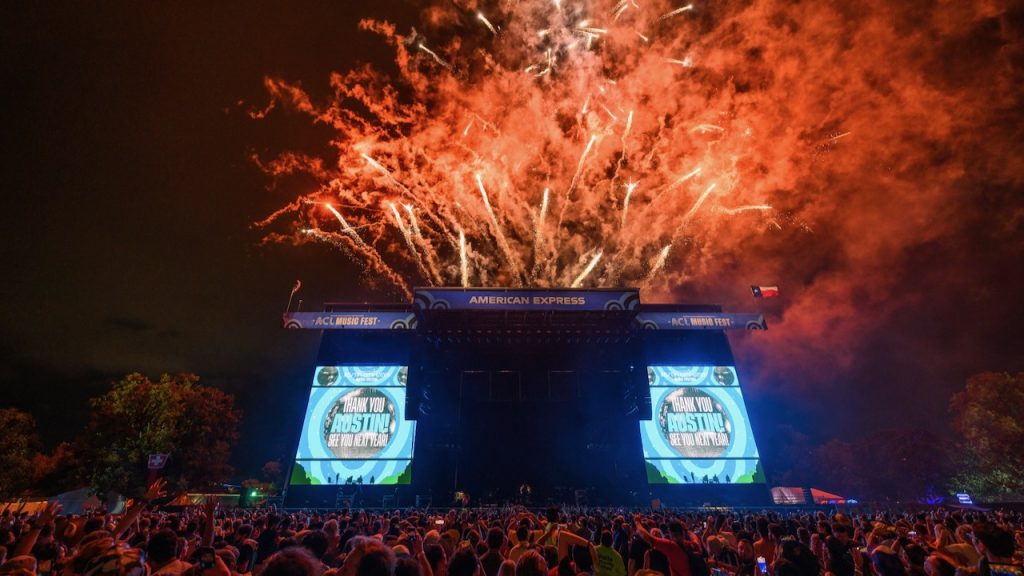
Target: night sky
128	242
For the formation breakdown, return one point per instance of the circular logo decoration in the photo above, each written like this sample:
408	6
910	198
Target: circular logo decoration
694	424
327	376
724	376
360	425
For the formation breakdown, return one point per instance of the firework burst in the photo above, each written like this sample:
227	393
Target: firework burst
563	142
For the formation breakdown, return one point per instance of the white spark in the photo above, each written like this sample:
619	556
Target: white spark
679	10
619	9
685	177
685	63
579	165
463	264
376	165
499	234
434	55
575	178
696	206
625	201
586	271
659	262
345	226
539	235
750	207
480	16
705	128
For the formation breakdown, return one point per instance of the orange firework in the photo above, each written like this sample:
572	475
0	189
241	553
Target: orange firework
494	122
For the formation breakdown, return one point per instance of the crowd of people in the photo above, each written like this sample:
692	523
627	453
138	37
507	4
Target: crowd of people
511	541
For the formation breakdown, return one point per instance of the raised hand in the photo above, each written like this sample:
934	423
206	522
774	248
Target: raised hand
209	507
49	513
155	490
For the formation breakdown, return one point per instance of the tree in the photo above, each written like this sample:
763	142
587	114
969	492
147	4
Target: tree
272	471
196	425
839	465
59	471
989	415
790	462
901	464
19	444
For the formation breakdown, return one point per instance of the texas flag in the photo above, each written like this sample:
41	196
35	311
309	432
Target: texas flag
765	291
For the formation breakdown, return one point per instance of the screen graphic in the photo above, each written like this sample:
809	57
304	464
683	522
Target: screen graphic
699	432
355	431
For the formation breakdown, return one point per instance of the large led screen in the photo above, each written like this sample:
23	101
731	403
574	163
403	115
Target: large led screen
699	432
355	431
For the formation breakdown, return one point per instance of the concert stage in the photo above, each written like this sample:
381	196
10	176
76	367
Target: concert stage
586	396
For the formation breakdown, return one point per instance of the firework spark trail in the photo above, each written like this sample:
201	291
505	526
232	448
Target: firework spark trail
409	242
747	208
405	231
424	244
538	237
480	16
707	128
463	264
622	154
682	179
372	263
345	226
412	220
441	216
676	183
625	201
575	179
434	55
499	235
679	10
388	175
659	263
696	206
619	9
586	271
372	256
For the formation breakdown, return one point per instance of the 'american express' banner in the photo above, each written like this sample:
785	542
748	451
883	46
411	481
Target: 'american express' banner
481	299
